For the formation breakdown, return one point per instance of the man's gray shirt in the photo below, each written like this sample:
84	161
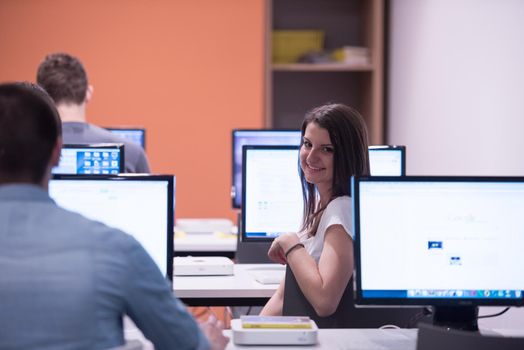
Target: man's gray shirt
66	281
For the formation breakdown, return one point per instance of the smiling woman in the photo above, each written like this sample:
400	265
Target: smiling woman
316	159
320	256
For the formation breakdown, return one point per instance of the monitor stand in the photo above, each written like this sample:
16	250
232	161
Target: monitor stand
456	317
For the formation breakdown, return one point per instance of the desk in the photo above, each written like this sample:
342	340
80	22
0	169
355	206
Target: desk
210	244
361	339
241	289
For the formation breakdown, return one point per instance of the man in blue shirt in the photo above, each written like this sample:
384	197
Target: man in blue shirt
66	281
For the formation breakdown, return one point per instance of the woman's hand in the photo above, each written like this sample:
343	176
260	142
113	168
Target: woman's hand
280	246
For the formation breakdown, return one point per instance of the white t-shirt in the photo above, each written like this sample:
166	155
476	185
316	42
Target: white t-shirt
338	212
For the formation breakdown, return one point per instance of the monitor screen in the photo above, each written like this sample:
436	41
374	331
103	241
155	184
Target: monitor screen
445	241
387	160
272	199
255	137
273	192
136	135
118	201
106	158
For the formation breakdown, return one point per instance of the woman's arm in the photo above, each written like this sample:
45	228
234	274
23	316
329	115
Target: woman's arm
274	306
323	286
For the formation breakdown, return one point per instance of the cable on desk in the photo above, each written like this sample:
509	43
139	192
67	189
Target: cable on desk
419	316
389	326
495	315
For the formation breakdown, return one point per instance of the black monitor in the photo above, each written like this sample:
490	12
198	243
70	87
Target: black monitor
272	196
136	135
454	243
89	159
140	205
387	160
243	137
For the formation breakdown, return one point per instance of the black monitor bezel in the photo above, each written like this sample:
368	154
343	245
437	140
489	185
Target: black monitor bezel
360	300
400	148
234	192
110	146
132	177
245	149
143	130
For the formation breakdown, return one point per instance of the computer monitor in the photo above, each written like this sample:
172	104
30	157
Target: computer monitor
272	195
266	137
454	243
139	205
273	192
103	158
137	135
387	160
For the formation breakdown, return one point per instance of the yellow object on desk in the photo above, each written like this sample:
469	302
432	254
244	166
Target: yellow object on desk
220	234
302	322
180	234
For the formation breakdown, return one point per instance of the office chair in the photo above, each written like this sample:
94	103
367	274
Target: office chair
346	315
431	337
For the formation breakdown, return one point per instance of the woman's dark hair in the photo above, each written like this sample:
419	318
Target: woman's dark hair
348	133
29	129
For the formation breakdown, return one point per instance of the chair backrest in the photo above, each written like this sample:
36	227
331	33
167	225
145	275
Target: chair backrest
432	337
252	253
346	315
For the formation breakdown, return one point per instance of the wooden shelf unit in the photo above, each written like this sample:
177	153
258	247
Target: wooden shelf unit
293	89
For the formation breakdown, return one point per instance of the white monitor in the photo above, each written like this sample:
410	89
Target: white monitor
141	206
272	196
387	160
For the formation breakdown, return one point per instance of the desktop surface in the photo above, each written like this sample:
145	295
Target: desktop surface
356	338
242	288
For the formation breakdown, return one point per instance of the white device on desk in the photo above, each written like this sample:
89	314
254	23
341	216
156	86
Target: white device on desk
273	336
202	266
199	226
272	274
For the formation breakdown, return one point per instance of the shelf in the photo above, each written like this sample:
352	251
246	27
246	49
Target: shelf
321	67
292	89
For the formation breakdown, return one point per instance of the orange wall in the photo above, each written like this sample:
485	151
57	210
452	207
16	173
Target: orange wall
188	71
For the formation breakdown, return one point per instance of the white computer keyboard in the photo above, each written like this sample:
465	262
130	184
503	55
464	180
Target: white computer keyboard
268	276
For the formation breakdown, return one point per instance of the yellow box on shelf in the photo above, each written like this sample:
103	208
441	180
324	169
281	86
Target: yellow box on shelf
289	45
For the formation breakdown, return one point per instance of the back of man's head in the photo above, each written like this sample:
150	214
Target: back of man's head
29	130
63	77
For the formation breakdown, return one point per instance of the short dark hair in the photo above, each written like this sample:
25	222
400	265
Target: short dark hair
29	129
349	137
63	77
